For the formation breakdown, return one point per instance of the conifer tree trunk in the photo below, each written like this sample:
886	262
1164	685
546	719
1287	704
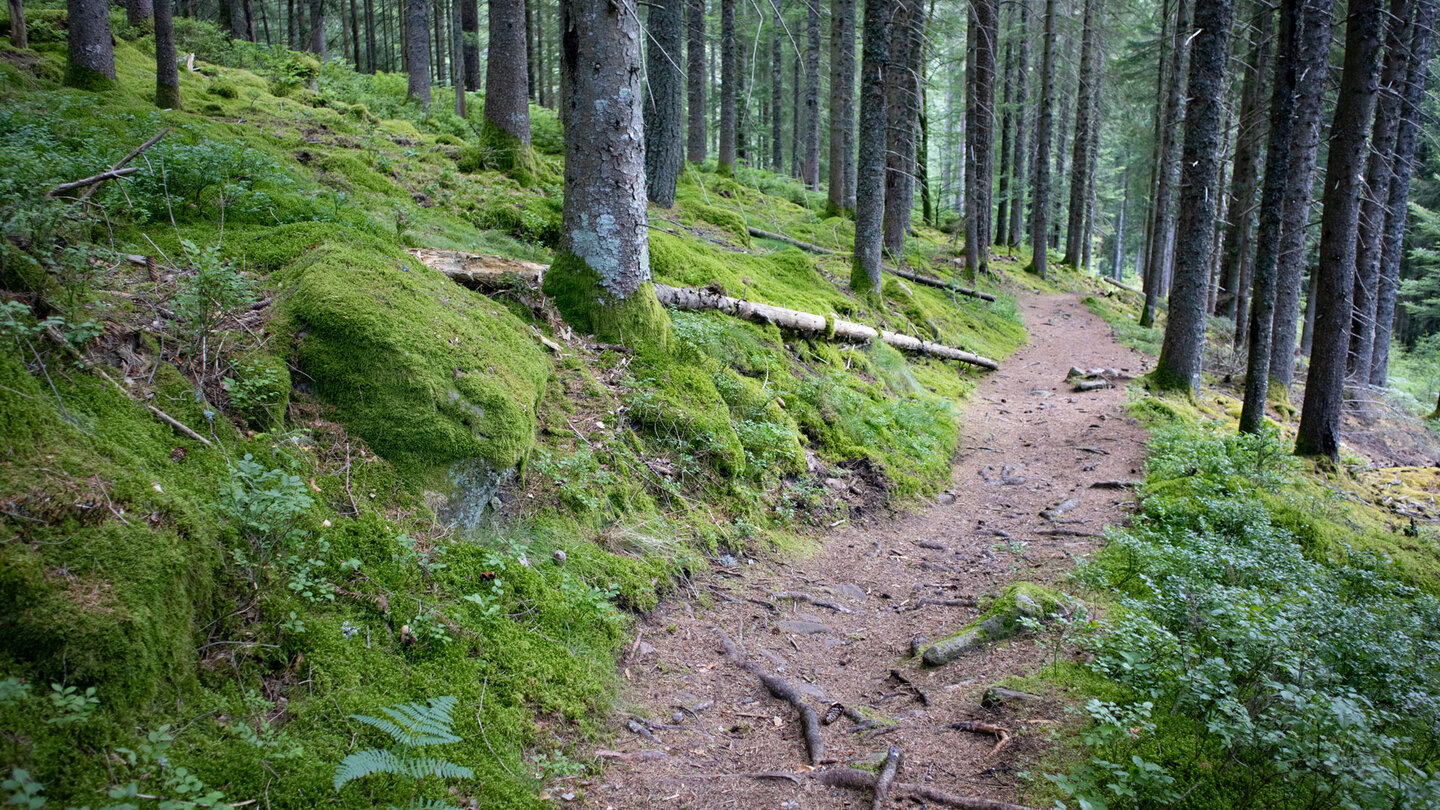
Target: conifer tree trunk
777	93
1244	171
812	95
506	131
899	136
167	74
796	160
1040	203
1376	196
542	65
136	13
470	27
1399	194
417	50
91	62
842	106
457	49
600	280
1312	76
922	149
1157	262
695	82
664	103
1007	126
1319	432
870	165
729	88
1178	368
1081	146
985	29
19	34
1021	153
317	29
1267	235
531	68
370	66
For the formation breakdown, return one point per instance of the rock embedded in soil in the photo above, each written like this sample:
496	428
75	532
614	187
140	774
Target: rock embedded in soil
997	696
803	627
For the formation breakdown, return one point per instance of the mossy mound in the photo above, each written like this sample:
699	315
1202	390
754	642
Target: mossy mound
1001	620
427	372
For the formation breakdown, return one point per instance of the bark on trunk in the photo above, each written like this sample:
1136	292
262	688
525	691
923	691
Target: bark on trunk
1312	76
506	132
369	64
1156	269
812	95
1021	153
19	35
777	93
317	29
457	47
984	29
1376	195
1244	173
1267	235
1399	196
1084	131
91	63
695	81
136	13
530	53
470	25
1040	203
1007	136
167	75
664	104
600	280
870	166
728	89
1178	368
1319	432
900	133
417	50
842	105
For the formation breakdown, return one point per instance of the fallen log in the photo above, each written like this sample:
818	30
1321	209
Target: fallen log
780	688
1125	287
809	323
805	246
480	273
908	275
847	777
123	162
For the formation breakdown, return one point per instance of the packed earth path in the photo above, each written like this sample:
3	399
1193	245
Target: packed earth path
697	731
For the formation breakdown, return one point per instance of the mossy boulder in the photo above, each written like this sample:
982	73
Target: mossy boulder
1001	620
427	372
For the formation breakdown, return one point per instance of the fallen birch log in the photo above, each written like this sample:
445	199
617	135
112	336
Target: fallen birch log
805	246
1125	287
489	273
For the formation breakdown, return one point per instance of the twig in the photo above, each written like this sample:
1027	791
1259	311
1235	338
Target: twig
985	728
805	597
123	161
920	693
92	180
856	779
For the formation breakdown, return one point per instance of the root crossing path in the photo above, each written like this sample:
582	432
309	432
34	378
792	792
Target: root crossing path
704	727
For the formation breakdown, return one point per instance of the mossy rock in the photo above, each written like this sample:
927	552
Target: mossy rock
1000	621
427	372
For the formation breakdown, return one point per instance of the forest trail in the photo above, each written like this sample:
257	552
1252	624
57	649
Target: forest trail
1029	443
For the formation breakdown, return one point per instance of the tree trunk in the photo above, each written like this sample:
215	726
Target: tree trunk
665	103
1244	171
369	64
600	281
899	136
91	63
1040	203
541	77
317	29
417	49
457	47
870	166
1142	256
531	67
695	81
136	13
1021	153
842	105
506	131
985	29
1081	146
796	116
1399	194
1319	432
470	28
777	93
1157	268
167	75
438	18
1178	368
1267	236
19	36
1119	272
1312	76
1007	133
1376	195
922	151
728	88
812	95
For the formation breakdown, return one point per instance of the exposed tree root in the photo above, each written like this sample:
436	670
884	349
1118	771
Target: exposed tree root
1002	734
780	688
904	681
799	596
886	777
860	780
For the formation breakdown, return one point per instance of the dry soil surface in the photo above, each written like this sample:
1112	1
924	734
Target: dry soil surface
713	737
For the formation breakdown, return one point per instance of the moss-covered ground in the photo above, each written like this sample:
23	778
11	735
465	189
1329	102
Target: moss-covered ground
407	491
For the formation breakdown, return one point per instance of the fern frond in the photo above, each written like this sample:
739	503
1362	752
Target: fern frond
363	763
424	767
415	725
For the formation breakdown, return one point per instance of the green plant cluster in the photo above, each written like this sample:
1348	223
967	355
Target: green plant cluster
1255	672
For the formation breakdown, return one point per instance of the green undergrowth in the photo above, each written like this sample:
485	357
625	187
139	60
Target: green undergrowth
1257	650
411	490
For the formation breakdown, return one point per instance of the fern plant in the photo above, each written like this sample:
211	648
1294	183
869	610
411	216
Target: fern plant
412	726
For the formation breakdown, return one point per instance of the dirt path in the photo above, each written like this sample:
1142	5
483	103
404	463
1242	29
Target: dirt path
1029	443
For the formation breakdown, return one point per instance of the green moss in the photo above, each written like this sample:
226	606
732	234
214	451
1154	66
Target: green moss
427	372
675	395
728	221
500	151
637	320
353	169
